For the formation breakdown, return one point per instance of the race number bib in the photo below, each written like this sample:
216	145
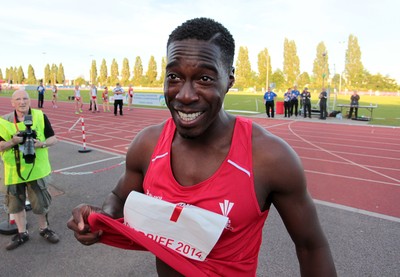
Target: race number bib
188	230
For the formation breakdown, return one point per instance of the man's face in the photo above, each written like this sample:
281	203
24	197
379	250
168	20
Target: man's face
21	102
196	82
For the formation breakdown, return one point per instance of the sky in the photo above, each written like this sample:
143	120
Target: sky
75	32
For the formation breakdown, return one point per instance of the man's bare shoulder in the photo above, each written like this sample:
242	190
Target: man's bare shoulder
273	158
142	146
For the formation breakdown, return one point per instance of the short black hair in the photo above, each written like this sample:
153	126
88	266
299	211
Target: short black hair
207	29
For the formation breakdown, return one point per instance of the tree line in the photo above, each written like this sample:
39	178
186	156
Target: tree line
354	77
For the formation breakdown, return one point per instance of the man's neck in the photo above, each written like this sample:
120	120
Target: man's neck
20	115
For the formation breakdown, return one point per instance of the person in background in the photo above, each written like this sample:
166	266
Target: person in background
205	157
78	100
55	96
306	99
294	102
323	98
130	96
93	99
41	90
106	101
269	101
118	99
286	102
24	177
354	98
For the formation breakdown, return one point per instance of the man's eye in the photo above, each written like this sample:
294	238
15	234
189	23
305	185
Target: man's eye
172	76
206	79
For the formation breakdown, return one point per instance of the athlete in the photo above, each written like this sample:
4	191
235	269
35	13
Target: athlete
78	100
55	96
206	158
130	97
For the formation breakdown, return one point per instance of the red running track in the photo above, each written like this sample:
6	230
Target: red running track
351	165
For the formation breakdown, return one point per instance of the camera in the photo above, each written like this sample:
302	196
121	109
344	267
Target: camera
28	136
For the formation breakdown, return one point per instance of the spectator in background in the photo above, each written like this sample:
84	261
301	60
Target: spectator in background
286	102
323	98
306	99
354	105
118	99
294	102
106	102
41	90
130	97
269	101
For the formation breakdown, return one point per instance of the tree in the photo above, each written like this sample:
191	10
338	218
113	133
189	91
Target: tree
114	73
151	74
20	75
279	79
291	62
47	74
243	69
125	73
1	75
264	69
93	73
321	67
79	81
31	76
60	74
162	75
354	68
53	74
103	73
137	72
303	80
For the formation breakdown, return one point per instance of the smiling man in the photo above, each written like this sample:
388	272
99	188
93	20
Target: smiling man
206	158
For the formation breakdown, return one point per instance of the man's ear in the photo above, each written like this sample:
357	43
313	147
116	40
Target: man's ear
231	78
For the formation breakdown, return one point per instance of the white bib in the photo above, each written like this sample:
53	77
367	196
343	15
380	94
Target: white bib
188	230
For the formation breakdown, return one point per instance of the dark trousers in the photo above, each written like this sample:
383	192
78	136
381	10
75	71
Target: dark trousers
40	100
90	107
307	108
269	105
322	109
294	104
355	112
287	107
118	103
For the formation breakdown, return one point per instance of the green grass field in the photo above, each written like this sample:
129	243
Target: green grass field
387	113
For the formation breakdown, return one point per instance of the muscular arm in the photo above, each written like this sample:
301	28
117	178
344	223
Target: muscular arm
280	173
137	160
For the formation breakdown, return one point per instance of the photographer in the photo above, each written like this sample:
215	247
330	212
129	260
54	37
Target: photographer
25	135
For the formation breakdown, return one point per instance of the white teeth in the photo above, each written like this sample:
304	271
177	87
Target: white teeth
188	116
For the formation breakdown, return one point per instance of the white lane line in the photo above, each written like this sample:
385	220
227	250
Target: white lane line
358	211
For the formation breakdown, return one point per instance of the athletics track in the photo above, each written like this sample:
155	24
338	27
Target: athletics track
356	166
353	174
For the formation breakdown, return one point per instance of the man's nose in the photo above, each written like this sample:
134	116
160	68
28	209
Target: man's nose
187	93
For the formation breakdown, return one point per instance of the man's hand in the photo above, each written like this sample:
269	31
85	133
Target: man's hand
79	224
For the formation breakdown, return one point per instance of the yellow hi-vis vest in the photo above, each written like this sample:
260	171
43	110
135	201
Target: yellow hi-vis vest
41	166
